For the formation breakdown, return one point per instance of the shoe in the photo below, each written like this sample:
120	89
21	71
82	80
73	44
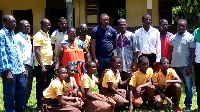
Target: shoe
177	109
188	108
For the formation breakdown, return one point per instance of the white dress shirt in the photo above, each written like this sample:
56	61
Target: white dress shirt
149	42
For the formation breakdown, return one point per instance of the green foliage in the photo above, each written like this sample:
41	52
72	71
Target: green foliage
191	9
121	12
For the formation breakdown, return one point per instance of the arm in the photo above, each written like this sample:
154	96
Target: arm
113	90
163	95
53	48
59	56
75	90
131	92
135	62
176	80
170	53
124	83
90	96
61	100
158	48
87	52
138	89
192	57
93	50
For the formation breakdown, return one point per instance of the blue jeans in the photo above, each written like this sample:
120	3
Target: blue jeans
187	80
104	63
14	93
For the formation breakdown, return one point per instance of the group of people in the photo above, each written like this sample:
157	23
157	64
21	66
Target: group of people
149	66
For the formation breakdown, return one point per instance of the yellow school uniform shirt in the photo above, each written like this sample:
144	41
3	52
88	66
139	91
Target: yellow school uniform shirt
87	82
140	78
42	39
159	78
69	86
109	76
55	88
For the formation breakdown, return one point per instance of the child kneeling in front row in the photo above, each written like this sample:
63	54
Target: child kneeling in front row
55	101
167	84
141	88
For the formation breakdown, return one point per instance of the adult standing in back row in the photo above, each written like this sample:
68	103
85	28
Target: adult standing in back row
103	39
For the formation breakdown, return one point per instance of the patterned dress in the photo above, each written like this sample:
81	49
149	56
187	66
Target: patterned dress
73	53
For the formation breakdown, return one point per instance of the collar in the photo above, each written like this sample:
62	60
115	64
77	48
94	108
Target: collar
106	27
6	31
150	29
182	34
23	35
46	34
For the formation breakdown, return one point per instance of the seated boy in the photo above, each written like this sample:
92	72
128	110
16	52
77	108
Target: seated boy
141	88
167	84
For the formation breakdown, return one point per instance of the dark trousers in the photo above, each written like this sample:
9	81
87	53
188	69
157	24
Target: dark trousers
197	82
29	80
42	82
14	93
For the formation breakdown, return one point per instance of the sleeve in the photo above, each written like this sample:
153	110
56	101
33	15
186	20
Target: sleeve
154	79
73	81
136	36
133	80
114	34
174	73
135	43
108	76
58	89
3	55
150	72
86	82
171	40
158	47
96	80
192	43
93	34
37	41
53	38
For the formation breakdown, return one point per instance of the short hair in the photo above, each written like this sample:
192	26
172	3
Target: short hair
182	20
145	15
5	18
21	23
69	66
114	58
162	20
59	68
71	28
162	59
83	24
88	64
142	58
102	15
121	20
61	19
43	21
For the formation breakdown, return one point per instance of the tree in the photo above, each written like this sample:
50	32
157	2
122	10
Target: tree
190	9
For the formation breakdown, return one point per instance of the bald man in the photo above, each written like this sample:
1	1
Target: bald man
44	59
24	43
11	68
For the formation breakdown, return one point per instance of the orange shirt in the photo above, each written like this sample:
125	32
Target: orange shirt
159	78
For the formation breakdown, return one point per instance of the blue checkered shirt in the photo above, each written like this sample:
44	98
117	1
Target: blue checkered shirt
9	54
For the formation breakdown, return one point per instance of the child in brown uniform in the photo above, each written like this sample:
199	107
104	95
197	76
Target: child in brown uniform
94	102
54	101
141	88
167	84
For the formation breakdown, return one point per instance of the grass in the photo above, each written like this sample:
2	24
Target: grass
32	100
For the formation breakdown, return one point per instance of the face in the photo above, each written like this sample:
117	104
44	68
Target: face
62	74
72	34
92	68
164	64
71	71
181	27
122	26
47	26
147	21
63	25
104	21
164	26
10	23
117	63
25	27
144	65
84	28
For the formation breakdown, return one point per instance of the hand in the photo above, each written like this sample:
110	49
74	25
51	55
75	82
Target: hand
77	104
188	71
43	71
104	100
169	102
164	85
97	62
25	74
9	76
131	108
138	90
135	67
